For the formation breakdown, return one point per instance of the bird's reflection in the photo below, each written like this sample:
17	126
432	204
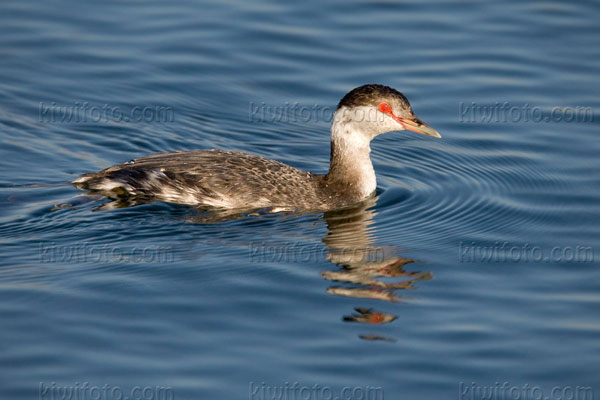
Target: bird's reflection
365	270
368	316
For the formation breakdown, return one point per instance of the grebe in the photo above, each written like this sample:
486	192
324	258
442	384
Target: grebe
235	180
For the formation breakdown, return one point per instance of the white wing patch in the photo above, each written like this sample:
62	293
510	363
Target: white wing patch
81	179
109	184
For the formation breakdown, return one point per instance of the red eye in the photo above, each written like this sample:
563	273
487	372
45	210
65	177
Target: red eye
385	108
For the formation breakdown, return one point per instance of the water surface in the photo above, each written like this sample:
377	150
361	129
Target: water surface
154	296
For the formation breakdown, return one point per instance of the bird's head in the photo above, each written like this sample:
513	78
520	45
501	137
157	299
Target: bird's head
372	110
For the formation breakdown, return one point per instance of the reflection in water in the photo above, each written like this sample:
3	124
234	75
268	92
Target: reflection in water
366	270
368	316
376	337
351	246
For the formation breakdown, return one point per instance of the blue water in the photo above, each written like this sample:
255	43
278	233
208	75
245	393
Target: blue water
154	296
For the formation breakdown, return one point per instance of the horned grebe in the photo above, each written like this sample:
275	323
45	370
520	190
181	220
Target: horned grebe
236	180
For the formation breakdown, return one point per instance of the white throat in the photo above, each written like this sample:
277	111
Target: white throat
350	155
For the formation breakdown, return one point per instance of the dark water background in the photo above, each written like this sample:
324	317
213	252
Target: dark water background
148	296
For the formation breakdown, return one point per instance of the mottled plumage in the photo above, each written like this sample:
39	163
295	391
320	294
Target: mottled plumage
235	180
214	178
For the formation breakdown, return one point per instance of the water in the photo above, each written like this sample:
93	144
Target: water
152	296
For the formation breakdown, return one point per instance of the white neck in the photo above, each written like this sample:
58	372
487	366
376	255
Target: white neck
350	155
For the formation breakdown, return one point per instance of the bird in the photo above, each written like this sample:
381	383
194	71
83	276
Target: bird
232	180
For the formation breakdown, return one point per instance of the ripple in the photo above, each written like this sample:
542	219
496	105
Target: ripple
447	190
212	319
